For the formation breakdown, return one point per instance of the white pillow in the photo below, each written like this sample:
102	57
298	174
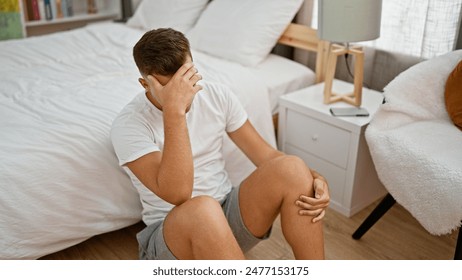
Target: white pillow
177	14
242	31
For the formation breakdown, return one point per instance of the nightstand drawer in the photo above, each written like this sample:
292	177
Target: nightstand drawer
334	175
318	138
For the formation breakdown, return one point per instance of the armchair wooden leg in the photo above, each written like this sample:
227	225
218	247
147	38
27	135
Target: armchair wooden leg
374	216
458	252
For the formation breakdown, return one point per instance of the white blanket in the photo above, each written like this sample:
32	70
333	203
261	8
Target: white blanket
59	178
416	149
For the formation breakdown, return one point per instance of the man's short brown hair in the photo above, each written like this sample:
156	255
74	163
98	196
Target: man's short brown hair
161	51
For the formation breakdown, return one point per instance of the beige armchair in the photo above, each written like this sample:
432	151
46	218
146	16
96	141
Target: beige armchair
417	150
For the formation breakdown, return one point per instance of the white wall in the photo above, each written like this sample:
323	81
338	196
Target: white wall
135	4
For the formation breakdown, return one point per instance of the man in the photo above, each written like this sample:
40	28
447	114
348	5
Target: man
169	141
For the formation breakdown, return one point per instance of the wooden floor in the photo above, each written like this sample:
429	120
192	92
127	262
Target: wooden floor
397	235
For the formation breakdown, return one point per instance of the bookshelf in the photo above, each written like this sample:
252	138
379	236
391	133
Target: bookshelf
105	10
11	20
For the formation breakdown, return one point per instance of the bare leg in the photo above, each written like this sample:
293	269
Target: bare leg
272	189
198	229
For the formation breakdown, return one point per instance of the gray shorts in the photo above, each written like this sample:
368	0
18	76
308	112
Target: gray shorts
152	245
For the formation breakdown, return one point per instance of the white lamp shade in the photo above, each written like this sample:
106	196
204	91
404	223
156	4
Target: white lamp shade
349	20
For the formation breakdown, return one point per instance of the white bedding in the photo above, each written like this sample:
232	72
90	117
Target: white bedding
282	76
60	182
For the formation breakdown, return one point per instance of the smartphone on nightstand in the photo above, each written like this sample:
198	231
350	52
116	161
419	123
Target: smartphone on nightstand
349	112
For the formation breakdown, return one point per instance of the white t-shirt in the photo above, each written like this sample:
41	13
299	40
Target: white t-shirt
139	130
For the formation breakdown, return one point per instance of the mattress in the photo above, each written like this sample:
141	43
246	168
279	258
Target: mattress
282	76
60	179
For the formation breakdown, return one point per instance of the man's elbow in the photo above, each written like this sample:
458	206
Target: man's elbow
178	200
178	196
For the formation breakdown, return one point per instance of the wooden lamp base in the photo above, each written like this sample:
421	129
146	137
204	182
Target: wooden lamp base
353	98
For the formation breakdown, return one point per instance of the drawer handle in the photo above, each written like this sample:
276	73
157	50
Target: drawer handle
314	137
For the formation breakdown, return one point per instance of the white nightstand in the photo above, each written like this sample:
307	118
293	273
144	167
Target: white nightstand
334	146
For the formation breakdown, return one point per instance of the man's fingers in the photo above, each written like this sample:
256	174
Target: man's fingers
190	73
196	78
318	185
314	213
183	69
309	206
315	201
197	88
318	214
319	217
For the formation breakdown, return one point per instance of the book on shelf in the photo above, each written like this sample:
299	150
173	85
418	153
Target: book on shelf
54	13
66	8
32	8
41	6
92	7
58	9
47	9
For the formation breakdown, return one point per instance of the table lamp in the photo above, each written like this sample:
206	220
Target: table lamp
343	22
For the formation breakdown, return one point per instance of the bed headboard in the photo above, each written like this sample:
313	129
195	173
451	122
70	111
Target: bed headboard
305	38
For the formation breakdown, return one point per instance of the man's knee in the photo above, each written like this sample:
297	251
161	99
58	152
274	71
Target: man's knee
196	226
292	174
198	211
204	206
290	167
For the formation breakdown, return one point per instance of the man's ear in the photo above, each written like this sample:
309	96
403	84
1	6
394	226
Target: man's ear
144	83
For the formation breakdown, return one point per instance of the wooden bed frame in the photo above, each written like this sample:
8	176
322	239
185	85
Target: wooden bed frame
305	38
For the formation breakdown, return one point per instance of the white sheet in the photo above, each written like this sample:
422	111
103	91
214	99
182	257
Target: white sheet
282	76
59	176
60	182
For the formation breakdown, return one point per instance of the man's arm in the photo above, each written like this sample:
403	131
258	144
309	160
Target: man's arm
170	173
253	145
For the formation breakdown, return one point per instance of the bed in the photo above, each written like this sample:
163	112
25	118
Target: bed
60	181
